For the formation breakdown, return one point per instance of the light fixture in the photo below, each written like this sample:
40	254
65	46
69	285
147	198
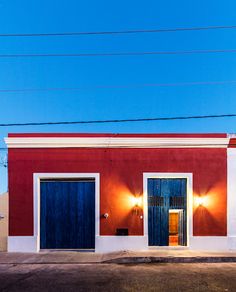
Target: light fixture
137	203
200	200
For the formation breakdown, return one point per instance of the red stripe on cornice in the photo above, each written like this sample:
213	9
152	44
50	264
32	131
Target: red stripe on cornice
133	135
232	143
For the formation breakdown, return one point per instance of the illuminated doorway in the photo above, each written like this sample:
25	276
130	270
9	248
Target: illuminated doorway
167	212
176	227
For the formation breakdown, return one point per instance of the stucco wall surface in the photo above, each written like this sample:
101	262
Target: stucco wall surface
121	177
4	221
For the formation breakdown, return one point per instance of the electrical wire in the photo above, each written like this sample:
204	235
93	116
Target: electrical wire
119	120
185	52
19	90
135	31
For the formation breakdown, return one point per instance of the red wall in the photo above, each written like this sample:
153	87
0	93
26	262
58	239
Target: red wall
121	174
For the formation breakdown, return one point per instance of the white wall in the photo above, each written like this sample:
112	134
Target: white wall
4	221
231	197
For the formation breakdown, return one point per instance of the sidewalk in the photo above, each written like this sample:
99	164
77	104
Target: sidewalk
122	257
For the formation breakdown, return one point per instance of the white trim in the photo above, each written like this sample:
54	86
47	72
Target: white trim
232	242
189	177
118	243
39	176
209	243
114	142
22	244
231	192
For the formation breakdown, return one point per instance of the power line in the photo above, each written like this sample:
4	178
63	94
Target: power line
117	86
186	52
118	120
135	31
19	90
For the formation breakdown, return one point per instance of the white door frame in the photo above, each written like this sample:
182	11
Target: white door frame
189	177
37	177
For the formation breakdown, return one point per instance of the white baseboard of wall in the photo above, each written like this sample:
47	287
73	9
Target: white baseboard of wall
104	244
118	243
232	242
209	243
22	244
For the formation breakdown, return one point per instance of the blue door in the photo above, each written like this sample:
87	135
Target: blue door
165	195
67	214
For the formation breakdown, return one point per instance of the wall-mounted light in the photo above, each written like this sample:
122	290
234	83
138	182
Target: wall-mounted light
137	203
200	200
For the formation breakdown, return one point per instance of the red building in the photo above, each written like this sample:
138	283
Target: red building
121	191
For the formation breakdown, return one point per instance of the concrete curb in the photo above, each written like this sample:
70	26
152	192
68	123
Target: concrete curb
133	260
50	263
198	259
122	257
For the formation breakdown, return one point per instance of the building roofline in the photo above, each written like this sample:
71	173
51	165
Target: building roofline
118	135
119	141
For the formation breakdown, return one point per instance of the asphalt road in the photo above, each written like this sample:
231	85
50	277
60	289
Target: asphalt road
113	277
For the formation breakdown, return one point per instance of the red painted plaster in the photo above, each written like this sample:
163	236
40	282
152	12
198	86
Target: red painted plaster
121	174
232	143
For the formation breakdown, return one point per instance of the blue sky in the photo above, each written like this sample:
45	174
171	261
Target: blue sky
61	16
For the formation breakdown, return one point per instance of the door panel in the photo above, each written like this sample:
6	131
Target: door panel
181	228
163	195
155	202
67	218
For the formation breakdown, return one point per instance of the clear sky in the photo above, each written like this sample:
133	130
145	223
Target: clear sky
23	16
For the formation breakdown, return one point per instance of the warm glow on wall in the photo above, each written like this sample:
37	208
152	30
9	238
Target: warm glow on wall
201	201
137	201
209	200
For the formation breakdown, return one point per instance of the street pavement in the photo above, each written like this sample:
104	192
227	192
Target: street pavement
118	277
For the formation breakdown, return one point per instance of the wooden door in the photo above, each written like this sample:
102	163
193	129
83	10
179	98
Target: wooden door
67	215
163	195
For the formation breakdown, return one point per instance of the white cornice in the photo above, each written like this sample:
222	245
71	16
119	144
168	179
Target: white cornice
114	142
